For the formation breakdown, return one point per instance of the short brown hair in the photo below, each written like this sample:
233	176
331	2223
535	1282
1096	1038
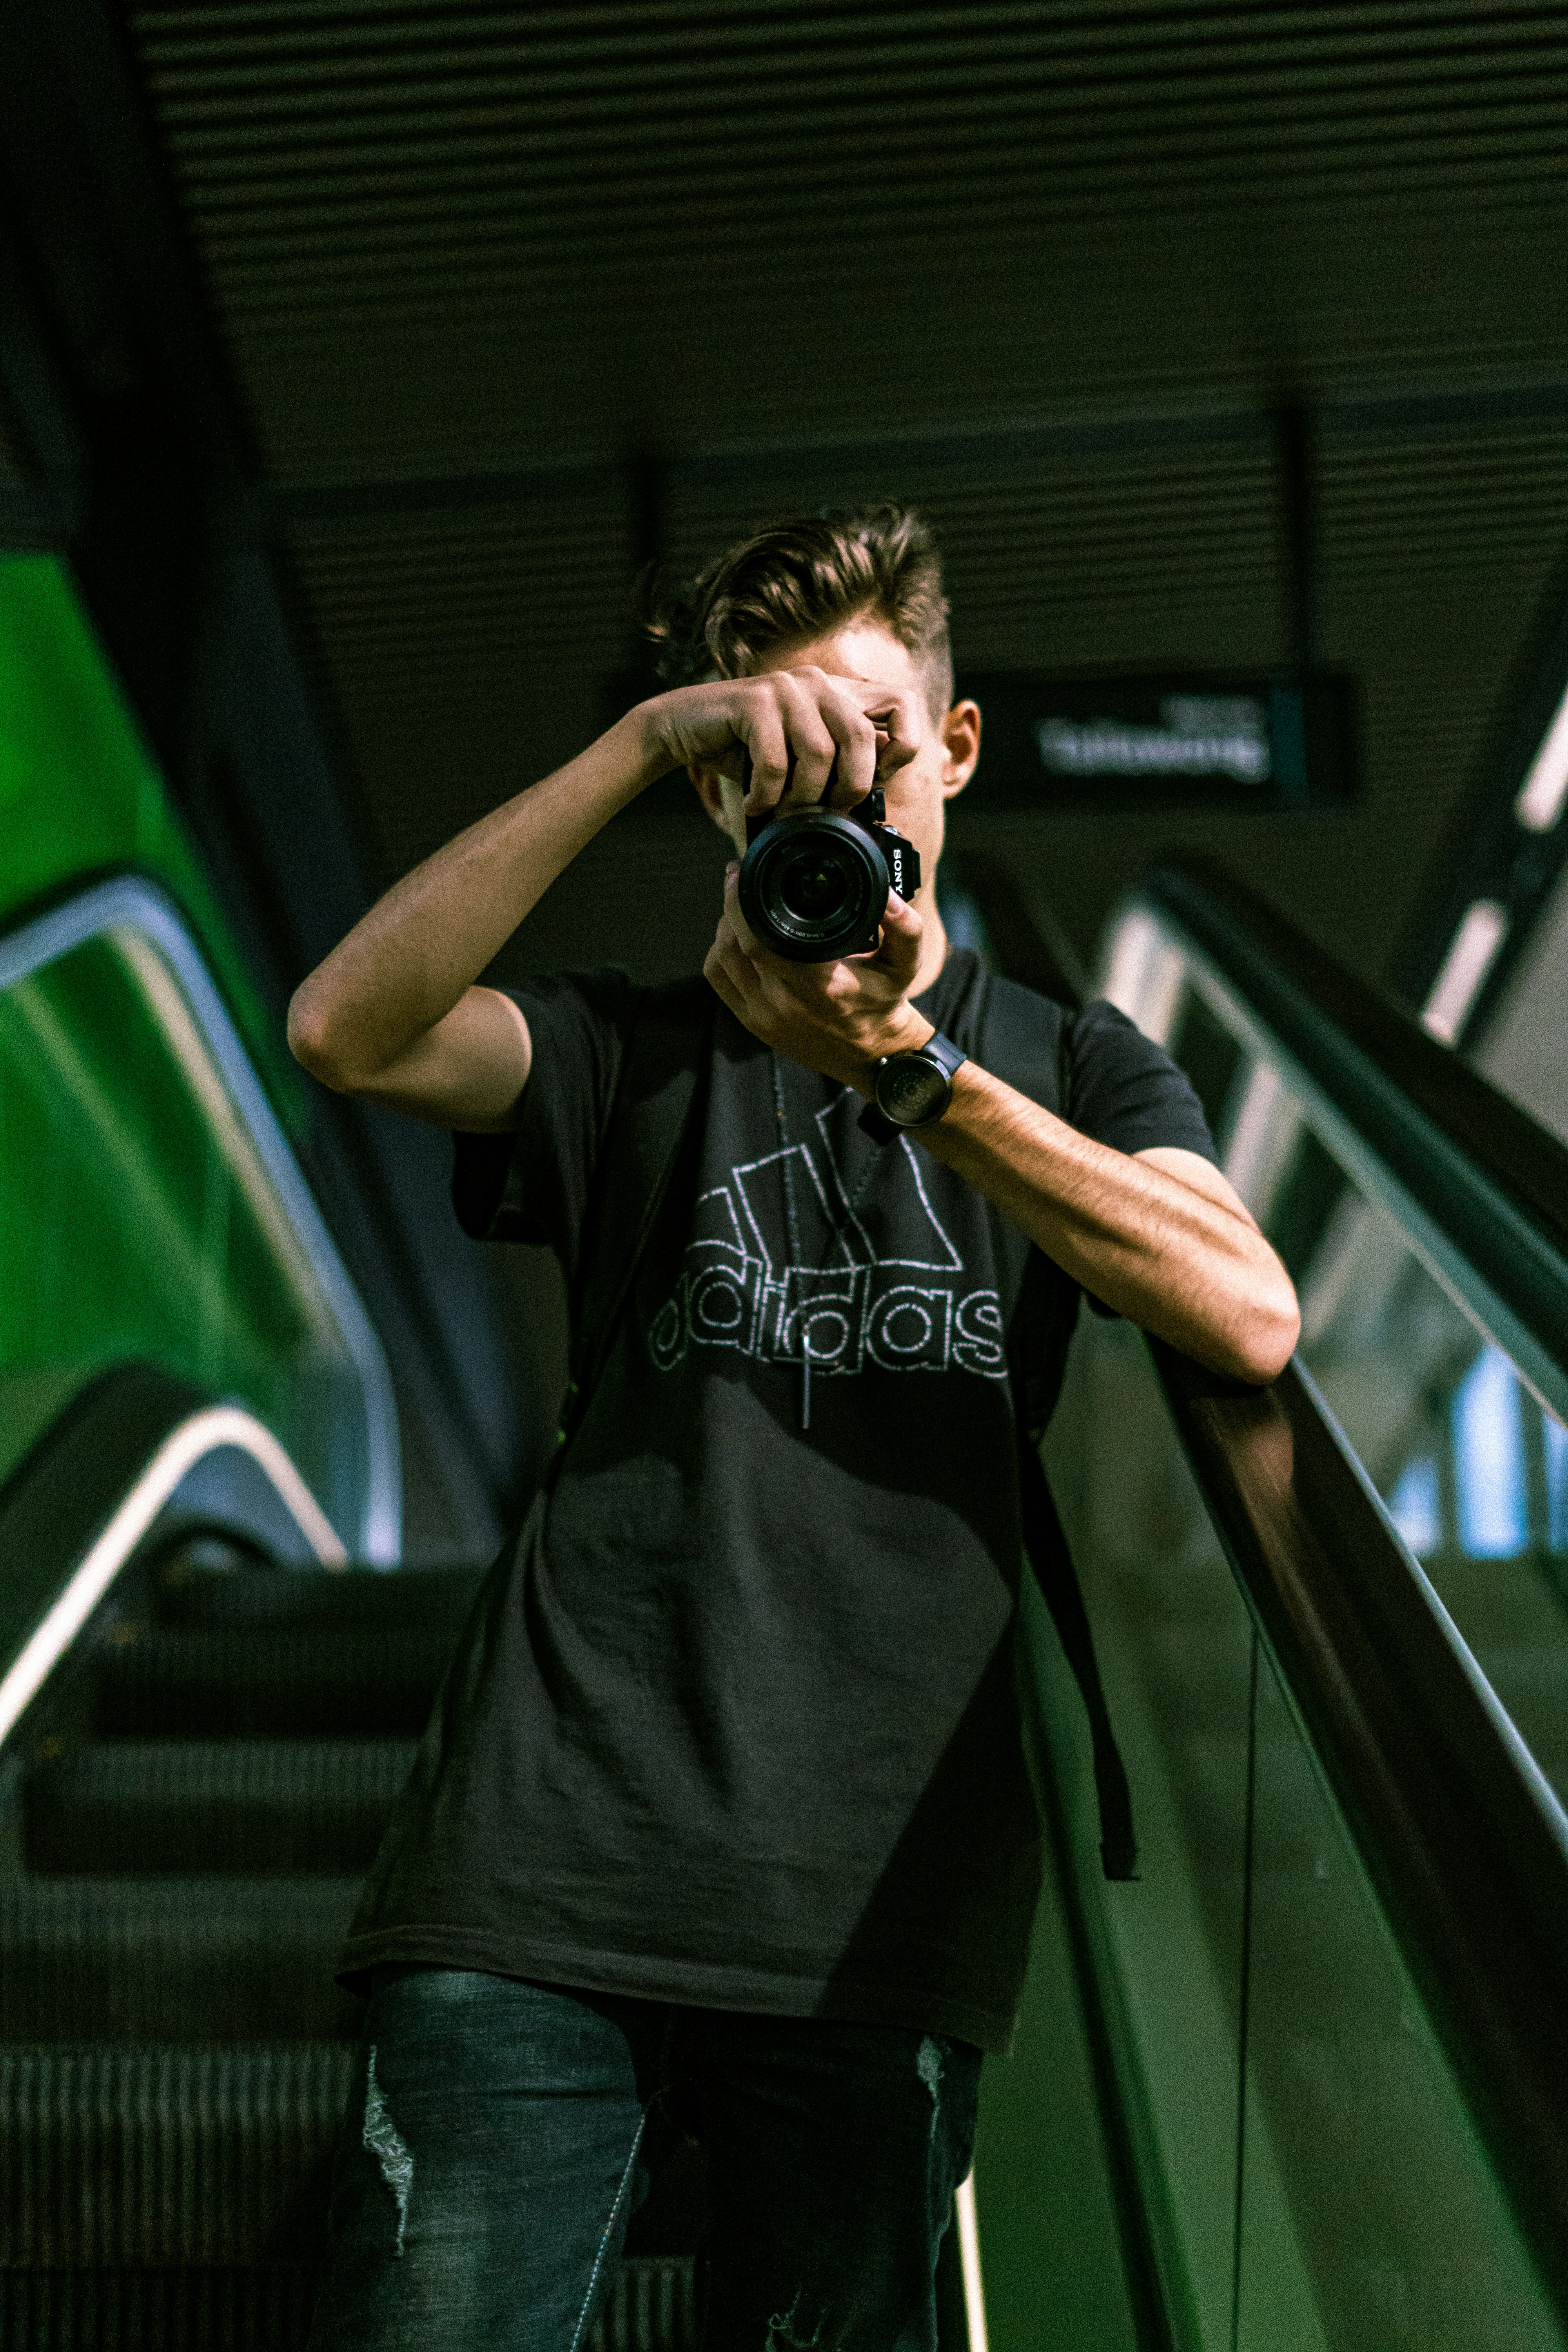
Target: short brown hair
806	578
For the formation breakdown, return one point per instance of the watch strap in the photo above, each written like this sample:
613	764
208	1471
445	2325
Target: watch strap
938	1049
942	1050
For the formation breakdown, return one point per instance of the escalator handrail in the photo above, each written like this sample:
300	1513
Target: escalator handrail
1478	1171
117	906
76	1508
1463	1841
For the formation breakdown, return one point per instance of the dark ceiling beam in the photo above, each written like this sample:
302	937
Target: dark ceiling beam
1001	448
136	456
263	510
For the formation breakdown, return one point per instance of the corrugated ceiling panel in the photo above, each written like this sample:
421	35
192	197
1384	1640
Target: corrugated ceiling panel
438	233
447	239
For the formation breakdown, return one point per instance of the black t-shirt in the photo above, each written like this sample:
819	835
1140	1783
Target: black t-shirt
734	1721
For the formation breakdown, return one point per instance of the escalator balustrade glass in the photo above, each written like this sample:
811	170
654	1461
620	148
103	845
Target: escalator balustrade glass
153	1209
1470	1462
140	1222
128	1230
1308	2170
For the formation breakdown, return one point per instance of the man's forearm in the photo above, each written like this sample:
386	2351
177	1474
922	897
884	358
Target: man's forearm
1161	1253
405	965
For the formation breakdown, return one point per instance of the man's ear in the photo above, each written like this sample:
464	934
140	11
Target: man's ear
960	746
720	796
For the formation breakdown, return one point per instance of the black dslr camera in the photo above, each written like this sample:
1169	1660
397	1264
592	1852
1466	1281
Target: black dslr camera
815	881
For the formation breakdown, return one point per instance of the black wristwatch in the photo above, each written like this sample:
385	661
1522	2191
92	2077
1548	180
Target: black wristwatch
913	1089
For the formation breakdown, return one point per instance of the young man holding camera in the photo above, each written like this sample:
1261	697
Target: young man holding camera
723	1818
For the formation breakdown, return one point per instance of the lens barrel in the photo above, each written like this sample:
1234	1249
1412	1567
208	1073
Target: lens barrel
813	886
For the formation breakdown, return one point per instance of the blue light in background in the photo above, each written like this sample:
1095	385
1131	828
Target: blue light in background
1556	1483
1488	1460
1414	1507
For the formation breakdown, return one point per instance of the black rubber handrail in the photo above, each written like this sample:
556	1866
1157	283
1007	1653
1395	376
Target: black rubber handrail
1466	1851
1486	1175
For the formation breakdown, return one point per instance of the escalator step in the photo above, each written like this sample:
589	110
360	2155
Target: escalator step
186	1960
266	2309
651	2307
119	2158
435	1600
292	1807
269	1681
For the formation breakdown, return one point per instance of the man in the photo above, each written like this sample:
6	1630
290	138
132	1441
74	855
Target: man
723	1816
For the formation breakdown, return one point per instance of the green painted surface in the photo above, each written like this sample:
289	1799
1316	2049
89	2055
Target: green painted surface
136	1218
127	1227
79	793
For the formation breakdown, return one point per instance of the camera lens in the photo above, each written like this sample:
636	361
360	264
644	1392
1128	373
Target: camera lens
813	887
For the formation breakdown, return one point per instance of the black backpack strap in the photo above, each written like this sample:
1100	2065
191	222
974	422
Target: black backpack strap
1016	1047
663	1063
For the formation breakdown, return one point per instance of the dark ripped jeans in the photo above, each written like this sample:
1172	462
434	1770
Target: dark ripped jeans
503	2133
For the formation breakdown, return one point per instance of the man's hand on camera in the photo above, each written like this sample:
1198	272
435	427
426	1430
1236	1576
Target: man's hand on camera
794	723
838	1018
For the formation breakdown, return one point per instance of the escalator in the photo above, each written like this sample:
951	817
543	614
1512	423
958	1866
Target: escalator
189	1803
1302	2084
1322	2035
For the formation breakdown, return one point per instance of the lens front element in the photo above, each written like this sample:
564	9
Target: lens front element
813	885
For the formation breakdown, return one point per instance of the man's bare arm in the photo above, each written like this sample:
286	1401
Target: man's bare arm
1159	1235
395	1014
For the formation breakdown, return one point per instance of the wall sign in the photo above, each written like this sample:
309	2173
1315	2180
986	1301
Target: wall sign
1164	741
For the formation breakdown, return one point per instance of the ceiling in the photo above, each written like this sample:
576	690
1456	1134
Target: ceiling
512	297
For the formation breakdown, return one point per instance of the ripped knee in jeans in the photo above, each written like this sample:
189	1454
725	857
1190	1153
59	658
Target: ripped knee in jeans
786	2331
385	2143
927	2066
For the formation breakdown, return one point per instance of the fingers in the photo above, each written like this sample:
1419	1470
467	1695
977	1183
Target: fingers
874	728
761	729
856	741
730	957
791	749
793	724
720	983
811	736
804	727
733	916
900	715
898	950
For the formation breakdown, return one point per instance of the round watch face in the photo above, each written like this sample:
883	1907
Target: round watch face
910	1091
